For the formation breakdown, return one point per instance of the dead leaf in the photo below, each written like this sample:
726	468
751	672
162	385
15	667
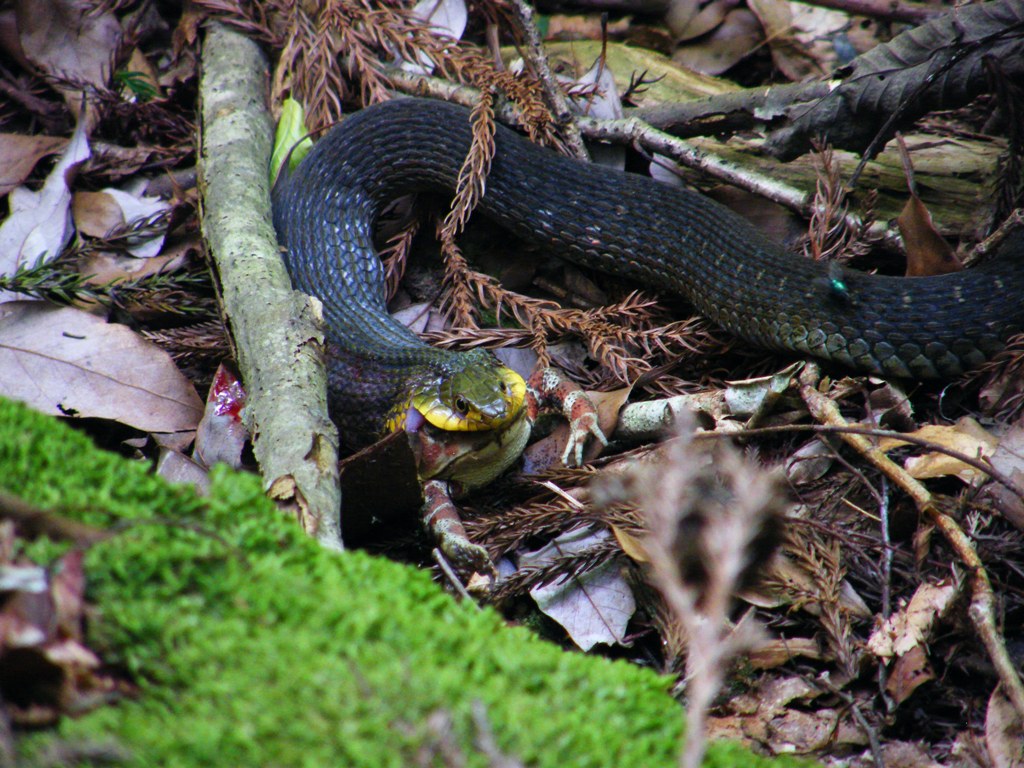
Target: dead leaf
826	35
632	546
686	20
928	253
69	41
102	267
66	362
810	462
1004	732
446	18
140	67
778	651
788	53
784	582
584	27
757	397
67	588
97	214
913	625
593	608
737	37
176	467
38	225
966	436
19	155
910	672
766	714
1008	459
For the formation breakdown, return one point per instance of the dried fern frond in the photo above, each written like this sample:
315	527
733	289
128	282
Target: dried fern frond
368	41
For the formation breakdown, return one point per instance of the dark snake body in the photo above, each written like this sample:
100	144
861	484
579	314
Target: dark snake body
624	224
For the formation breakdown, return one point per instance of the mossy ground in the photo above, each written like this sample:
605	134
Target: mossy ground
254	647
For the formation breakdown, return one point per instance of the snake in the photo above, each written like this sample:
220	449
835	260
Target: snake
625	224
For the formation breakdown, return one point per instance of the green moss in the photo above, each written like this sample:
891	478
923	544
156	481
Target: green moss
252	646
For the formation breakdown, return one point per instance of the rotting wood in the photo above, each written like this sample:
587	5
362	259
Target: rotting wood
277	332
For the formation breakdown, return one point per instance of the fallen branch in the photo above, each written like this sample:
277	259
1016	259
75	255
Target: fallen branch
277	332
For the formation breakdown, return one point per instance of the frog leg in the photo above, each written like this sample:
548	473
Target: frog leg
441	517
549	387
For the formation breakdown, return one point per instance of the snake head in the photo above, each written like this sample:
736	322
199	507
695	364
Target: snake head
475	395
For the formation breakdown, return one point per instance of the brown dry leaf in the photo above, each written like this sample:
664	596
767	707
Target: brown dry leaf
632	546
1004	732
19	155
584	27
966	436
910	672
788	53
66	362
778	651
95	213
68	40
912	626
928	253
101	268
738	36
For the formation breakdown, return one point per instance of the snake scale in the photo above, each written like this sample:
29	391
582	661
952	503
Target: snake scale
624	224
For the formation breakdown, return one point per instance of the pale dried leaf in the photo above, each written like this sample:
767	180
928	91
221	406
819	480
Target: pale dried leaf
1004	732
778	651
827	36
593	608
810	462
912	626
1009	460
966	436
66	362
446	18
39	223
755	397
175	467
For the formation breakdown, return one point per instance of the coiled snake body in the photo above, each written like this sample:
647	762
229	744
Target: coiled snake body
625	224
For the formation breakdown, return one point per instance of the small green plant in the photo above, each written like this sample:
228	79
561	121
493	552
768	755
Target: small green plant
138	83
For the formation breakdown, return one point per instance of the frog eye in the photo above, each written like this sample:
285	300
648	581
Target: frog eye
461	406
503	387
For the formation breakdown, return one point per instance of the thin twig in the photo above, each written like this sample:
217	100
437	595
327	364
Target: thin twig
555	97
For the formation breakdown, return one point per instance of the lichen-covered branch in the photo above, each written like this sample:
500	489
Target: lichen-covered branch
277	331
